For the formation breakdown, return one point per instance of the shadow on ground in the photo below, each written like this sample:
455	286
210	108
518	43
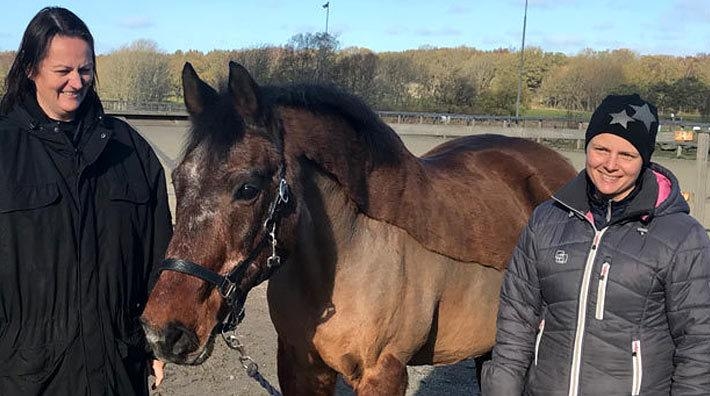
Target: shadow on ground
455	379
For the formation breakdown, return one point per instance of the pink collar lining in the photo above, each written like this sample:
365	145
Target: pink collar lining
664	191
664	188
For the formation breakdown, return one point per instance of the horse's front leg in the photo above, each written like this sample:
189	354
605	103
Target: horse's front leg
387	377
303	373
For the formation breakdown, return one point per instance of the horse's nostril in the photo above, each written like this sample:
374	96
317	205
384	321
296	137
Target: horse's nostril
179	341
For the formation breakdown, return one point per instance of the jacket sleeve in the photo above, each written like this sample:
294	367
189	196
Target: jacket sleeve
518	314
688	309
162	219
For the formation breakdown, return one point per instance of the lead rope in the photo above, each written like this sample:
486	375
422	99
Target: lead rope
249	365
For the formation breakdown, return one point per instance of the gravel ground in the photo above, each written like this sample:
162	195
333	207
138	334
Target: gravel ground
222	374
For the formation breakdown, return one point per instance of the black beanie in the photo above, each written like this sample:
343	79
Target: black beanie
629	117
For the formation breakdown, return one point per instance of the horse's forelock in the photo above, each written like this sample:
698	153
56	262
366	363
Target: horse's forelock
218	128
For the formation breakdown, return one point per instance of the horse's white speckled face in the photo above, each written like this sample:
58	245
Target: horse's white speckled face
223	199
224	187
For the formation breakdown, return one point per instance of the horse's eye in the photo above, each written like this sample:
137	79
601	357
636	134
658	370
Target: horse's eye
246	192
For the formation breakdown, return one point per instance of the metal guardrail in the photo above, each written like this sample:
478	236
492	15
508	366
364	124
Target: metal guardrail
127	108
170	109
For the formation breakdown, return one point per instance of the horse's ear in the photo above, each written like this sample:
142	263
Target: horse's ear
196	92
244	90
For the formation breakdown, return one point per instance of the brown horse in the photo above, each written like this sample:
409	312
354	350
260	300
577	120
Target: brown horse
385	259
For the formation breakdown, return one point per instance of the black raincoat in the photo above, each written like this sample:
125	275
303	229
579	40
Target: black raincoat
84	217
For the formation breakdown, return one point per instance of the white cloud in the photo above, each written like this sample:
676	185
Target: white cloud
459	9
447	31
603	25
548	4
691	10
136	22
569	44
396	31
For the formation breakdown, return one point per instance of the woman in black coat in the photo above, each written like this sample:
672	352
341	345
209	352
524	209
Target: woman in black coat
83	219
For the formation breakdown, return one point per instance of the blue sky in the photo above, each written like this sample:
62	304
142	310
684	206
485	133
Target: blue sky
671	27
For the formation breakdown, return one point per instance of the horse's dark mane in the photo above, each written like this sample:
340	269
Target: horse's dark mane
382	142
222	126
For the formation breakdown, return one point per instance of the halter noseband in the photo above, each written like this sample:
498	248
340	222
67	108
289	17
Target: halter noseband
228	285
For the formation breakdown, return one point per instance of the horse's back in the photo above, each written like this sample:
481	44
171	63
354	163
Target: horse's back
485	188
524	165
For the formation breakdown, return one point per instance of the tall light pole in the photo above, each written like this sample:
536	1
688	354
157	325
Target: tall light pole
522	60
327	14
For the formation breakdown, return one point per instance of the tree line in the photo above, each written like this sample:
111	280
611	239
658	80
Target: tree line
454	80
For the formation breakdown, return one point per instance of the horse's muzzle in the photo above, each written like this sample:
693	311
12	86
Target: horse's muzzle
176	344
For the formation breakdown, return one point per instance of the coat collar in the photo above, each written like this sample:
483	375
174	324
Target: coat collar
574	195
95	135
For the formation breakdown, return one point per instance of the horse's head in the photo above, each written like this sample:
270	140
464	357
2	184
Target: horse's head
231	197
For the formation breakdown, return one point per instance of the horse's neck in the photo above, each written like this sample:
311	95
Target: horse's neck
329	230
334	234
382	188
397	188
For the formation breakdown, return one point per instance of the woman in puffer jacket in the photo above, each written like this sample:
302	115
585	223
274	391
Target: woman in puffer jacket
608	290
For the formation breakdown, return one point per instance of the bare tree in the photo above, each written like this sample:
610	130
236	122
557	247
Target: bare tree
135	73
6	59
355	70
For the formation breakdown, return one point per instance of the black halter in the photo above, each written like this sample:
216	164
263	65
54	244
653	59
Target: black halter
228	285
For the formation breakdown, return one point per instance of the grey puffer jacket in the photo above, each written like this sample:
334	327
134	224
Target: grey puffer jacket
616	311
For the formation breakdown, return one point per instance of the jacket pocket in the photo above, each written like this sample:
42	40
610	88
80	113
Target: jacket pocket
541	329
601	290
19	198
135	193
637	367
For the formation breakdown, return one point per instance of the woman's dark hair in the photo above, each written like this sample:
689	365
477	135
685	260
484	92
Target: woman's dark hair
49	22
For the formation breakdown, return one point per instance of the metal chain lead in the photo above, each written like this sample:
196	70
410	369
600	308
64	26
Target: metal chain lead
274	260
249	365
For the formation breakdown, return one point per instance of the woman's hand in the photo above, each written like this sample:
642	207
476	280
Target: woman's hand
157	369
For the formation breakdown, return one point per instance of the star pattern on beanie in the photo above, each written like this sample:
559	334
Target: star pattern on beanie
629	117
643	114
621	118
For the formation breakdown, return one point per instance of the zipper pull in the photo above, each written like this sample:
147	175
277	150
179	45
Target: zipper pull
596	240
604	272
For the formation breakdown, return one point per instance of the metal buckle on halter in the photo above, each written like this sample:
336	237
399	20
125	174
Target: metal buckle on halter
273	261
227	289
283	190
282	197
